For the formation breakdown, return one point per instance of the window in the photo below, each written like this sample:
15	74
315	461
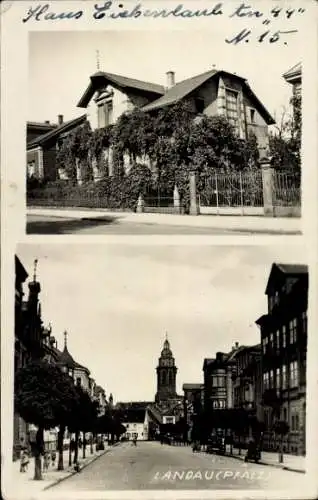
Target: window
271	379
294	374
270	303
271	340
277	340
304	321
285	414
265	342
105	114
284	336
199	105
296	422
218	381
276	298
293	331
277	380
266	380
284	377
78	381
232	107
252	115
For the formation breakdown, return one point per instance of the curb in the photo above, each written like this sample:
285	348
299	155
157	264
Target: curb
73	472
277	466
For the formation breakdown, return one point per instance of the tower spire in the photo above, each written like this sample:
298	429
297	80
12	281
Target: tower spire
65	340
34	269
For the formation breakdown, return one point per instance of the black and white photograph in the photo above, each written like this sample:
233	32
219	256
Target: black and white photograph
159	249
169	378
152	133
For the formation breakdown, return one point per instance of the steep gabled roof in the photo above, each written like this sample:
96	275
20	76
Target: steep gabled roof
120	81
52	134
286	269
182	89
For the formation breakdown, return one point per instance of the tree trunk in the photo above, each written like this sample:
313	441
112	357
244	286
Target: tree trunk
38	450
281	453
91	443
75	460
70	451
60	438
84	445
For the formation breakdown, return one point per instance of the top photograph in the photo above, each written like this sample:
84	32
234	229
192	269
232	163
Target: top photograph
162	132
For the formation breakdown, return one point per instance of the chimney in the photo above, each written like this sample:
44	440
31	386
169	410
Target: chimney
170	79
47	121
236	346
60	119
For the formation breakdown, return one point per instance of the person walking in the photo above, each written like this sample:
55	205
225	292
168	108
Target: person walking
24	460
53	457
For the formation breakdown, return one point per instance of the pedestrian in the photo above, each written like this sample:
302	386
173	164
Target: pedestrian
24	460
53	457
46	461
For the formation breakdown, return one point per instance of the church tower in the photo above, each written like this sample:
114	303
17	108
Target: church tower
166	375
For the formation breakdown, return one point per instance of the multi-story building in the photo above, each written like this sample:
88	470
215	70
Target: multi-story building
193	403
284	346
218	380
247	384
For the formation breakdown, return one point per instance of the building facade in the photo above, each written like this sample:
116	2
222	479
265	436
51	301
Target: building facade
284	346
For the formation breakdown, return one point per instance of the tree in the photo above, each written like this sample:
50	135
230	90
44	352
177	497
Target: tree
281	428
42	395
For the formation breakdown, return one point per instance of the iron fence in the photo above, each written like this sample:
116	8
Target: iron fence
158	199
287	189
238	189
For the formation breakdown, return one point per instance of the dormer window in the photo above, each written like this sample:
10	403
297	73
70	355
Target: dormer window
252	115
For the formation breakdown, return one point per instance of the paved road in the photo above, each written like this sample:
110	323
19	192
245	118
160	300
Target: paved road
37	224
150	466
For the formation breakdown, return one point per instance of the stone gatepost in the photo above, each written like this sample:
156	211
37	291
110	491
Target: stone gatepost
176	199
194	206
79	175
140	204
268	181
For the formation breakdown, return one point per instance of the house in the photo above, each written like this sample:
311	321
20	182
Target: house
211	93
36	129
294	77
284	347
136	422
42	149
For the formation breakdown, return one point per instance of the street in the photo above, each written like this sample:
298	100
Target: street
151	466
118	224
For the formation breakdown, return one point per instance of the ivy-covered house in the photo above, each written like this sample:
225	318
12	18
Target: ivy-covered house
42	143
212	93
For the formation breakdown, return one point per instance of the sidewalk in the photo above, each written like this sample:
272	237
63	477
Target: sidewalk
296	463
255	224
22	484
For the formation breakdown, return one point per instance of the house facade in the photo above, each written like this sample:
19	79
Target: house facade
284	347
42	149
294	77
211	93
218	375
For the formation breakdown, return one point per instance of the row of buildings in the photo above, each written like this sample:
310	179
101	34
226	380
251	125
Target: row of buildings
268	379
108	96
33	341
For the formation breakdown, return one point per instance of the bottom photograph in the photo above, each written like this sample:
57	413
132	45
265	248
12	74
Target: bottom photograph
141	367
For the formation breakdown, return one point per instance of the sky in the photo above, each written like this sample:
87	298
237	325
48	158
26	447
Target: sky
118	301
60	64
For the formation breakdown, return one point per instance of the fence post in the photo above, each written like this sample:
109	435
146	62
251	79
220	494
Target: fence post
268	187
176	199
140	204
194	206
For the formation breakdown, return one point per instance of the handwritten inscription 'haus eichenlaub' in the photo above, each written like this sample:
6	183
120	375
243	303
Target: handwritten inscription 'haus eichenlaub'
258	27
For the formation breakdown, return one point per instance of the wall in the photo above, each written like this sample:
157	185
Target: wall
78	373
49	163
208	92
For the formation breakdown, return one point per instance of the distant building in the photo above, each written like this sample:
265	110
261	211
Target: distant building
284	347
42	148
294	77
218	380
136	420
